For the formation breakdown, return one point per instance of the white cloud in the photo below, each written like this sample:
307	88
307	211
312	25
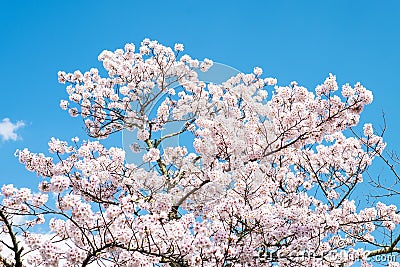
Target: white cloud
8	129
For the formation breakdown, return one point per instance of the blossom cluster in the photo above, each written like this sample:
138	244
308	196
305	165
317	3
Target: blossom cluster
268	171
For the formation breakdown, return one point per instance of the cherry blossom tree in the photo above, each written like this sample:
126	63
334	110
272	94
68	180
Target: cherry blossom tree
265	178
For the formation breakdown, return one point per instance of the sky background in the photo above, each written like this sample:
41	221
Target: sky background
291	40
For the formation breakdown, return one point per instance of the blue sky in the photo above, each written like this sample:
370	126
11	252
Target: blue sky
290	40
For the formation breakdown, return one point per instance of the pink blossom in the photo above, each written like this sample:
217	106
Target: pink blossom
266	171
152	155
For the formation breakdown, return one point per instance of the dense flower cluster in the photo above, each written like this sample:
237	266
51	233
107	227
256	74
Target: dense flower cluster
268	175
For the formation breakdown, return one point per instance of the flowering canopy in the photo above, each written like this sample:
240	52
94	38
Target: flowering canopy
265	180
